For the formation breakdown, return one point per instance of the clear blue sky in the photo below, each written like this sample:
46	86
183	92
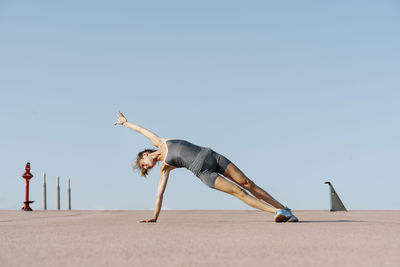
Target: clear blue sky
295	93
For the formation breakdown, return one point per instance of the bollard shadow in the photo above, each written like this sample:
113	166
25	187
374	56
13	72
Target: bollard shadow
49	217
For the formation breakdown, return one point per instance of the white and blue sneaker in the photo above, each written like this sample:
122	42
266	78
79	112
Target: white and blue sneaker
293	219
285	215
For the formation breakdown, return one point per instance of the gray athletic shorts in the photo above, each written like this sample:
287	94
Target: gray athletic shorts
209	165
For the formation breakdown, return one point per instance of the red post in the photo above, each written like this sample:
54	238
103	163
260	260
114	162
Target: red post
27	176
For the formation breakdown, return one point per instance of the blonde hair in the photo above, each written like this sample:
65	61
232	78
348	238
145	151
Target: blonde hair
136	165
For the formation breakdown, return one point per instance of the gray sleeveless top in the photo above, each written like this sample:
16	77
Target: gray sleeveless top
181	153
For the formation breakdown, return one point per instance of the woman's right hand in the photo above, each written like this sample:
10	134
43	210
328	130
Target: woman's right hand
120	119
152	220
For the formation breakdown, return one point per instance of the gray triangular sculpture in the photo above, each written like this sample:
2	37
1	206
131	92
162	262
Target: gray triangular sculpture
336	203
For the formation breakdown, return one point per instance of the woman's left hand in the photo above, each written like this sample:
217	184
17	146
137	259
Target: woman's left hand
152	220
120	119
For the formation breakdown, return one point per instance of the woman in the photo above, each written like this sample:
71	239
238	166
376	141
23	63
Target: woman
213	169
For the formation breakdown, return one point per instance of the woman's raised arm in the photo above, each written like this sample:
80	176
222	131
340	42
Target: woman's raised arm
154	139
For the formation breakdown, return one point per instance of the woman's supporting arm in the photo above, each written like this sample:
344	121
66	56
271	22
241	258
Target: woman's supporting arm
160	195
154	139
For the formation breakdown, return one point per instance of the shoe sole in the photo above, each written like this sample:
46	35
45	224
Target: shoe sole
292	221
280	218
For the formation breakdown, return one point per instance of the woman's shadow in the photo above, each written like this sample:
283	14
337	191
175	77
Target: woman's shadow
328	221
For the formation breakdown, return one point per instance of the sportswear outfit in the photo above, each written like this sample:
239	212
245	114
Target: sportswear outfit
205	163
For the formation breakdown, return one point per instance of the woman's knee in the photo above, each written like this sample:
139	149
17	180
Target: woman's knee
248	184
239	192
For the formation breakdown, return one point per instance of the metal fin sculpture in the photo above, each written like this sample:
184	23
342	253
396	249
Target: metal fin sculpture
336	203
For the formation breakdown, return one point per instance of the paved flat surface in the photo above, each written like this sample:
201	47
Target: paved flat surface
198	238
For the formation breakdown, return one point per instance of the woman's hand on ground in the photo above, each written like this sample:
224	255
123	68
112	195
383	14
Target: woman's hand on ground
152	220
120	119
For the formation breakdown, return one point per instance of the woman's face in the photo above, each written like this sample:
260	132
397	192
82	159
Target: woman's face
147	162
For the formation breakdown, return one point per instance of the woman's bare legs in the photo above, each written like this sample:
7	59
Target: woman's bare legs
226	186
236	175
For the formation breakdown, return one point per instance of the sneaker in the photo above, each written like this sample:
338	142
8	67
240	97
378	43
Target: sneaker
285	215
293	219
282	215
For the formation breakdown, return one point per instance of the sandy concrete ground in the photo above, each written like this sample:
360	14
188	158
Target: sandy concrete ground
198	238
